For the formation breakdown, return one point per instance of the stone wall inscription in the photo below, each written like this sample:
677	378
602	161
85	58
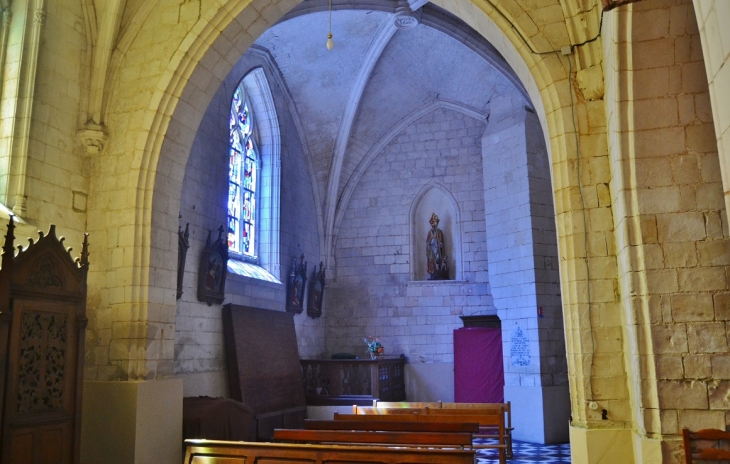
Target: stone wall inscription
520	350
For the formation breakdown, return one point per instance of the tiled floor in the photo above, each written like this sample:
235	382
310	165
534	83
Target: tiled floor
528	453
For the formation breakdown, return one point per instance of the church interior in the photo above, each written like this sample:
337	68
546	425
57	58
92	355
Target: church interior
557	166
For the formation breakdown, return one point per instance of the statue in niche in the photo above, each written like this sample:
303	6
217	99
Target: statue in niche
438	269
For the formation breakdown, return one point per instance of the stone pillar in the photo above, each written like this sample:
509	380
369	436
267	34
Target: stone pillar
523	272
132	422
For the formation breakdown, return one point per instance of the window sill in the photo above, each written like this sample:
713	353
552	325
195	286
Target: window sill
252	271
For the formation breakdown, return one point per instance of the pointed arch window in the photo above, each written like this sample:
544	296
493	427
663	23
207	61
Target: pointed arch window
254	171
243	174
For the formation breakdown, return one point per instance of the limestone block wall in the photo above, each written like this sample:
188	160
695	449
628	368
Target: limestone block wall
373	294
57	163
54	173
712	18
199	352
683	229
522	248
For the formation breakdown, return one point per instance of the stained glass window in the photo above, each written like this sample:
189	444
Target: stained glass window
243	169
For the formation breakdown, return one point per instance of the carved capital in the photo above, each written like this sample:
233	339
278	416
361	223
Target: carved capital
94	138
39	17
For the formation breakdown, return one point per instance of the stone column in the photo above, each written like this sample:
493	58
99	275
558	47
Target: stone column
523	272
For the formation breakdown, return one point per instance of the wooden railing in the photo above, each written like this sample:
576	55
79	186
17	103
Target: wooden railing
358	381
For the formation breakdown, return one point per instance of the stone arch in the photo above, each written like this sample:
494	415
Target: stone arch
184	87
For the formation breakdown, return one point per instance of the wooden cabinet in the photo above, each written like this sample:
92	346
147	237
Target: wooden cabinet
348	382
42	328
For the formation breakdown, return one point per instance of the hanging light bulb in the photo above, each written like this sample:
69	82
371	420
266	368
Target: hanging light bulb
330	43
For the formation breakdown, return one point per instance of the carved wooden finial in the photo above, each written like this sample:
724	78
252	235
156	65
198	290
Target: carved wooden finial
85	251
10	237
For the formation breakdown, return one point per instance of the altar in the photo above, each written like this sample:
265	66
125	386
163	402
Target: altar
338	382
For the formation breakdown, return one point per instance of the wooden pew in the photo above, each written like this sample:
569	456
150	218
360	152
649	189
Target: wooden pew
380	438
406	404
481	407
413	417
383	411
506	407
493	420
706	445
444	427
241	452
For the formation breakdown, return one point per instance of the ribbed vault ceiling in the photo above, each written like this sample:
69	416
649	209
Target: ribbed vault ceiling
350	99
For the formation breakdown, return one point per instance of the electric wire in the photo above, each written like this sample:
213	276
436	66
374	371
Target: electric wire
585	230
529	46
578	172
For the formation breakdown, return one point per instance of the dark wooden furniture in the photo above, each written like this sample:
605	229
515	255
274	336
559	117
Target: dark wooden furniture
216	419
213	270
222	452
380	438
42	329
263	366
492	420
296	284
704	445
506	409
448	427
470	408
183	243
344	382
316	292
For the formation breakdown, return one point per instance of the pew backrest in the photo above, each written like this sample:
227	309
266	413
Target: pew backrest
447	427
241	452
412	417
430	439
705	445
406	404
506	407
386	411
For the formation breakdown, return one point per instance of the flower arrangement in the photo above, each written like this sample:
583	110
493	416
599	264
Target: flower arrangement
375	348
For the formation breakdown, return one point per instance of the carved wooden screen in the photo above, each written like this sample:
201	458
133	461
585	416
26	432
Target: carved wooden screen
42	327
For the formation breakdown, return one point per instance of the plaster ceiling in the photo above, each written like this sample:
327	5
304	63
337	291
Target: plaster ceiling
349	99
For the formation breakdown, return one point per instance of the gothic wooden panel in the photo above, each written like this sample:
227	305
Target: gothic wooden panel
42	329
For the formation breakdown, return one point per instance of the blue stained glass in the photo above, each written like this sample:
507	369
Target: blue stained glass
242	178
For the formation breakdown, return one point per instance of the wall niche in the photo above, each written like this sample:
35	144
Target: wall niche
435	198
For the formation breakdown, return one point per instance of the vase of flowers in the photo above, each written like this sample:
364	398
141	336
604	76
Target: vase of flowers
375	348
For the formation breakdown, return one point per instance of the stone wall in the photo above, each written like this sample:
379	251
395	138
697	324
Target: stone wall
373	294
683	231
199	353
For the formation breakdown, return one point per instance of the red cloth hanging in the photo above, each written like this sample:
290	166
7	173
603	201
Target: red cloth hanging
478	368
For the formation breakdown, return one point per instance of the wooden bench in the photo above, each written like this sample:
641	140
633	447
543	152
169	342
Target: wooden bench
506	408
386	411
493	420
241	452
459	440
705	443
406	404
483	407
443	427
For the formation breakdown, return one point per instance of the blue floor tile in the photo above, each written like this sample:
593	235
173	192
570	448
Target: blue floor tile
526	453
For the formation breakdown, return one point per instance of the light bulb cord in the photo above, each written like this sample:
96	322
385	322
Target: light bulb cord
330	43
